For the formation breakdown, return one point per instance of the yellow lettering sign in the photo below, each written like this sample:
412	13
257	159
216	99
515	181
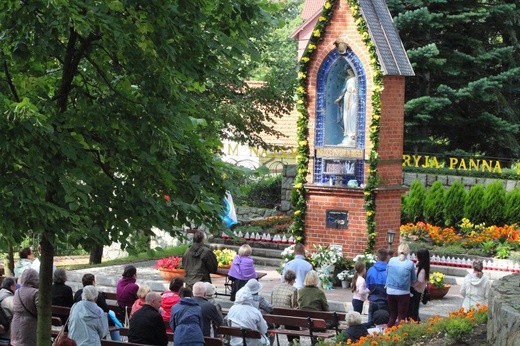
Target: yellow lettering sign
453	162
406	161
486	165
497	167
462	164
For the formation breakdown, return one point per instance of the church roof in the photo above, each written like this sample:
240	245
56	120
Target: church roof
390	50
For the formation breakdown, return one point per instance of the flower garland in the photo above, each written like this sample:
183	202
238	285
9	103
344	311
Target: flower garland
298	192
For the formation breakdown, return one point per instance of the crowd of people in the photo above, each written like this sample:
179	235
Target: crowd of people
393	288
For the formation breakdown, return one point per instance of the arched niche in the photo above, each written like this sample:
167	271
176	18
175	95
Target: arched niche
337	164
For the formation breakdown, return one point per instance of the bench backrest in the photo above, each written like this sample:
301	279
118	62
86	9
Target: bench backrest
332	318
207	340
120	343
303	322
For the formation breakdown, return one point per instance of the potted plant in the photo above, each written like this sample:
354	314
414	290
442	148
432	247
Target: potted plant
437	285
345	277
224	257
324	259
170	267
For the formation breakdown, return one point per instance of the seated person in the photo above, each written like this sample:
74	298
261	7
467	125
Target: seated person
141	295
186	320
310	297
146	324
61	293
242	269
211	316
258	301
355	328
171	297
243	314
380	320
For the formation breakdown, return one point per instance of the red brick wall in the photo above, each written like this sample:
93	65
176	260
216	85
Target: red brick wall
388	196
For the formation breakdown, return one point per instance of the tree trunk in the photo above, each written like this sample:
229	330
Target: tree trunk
9	262
96	254
45	296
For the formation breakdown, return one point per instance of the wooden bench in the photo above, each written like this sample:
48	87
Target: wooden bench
207	340
313	328
333	318
105	342
243	333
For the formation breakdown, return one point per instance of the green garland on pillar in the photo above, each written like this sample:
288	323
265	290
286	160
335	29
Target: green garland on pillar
298	193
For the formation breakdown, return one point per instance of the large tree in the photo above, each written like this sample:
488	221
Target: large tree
108	106
466	91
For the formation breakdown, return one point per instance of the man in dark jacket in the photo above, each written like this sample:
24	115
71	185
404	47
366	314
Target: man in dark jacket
210	314
376	281
146	324
199	261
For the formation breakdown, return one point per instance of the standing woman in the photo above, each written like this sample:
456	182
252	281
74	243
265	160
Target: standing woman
359	287
400	277
25	312
418	287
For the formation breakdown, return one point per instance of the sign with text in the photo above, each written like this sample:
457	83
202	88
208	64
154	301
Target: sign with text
339	152
336	219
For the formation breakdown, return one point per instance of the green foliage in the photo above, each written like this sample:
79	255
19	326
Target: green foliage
413	204
434	204
458	329
448	250
488	247
473	205
264	192
493	203
454	203
512	208
465	57
109	106
503	250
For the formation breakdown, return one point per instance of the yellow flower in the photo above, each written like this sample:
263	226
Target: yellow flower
298	186
300	102
316	33
376	117
297	212
302	75
312	47
304	142
305	59
321	19
367	193
327	5
300	89
370	213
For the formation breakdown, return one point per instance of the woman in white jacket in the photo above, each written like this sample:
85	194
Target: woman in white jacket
475	288
88	323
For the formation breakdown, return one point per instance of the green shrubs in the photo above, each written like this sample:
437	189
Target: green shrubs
434	204
512	210
493	203
413	203
263	192
439	206
454	203
473	206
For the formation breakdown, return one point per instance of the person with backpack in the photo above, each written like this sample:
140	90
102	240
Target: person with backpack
6	309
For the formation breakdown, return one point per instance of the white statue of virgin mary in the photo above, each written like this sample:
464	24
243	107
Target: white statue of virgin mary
348	109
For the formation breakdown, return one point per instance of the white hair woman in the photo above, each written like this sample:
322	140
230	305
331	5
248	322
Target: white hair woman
310	297
141	298
355	328
399	278
88	323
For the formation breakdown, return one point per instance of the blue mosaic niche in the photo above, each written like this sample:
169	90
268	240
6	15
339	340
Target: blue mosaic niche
330	82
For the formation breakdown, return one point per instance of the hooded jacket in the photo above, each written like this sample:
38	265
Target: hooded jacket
186	323
199	261
25	302
475	290
126	292
88	323
21	266
243	314
376	281
6	303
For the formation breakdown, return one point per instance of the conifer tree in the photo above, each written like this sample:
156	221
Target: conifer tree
466	57
434	204
454	204
473	205
493	203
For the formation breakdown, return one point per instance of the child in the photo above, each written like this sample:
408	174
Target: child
359	287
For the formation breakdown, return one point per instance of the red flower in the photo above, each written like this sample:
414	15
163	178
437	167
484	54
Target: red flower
166	198
173	262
